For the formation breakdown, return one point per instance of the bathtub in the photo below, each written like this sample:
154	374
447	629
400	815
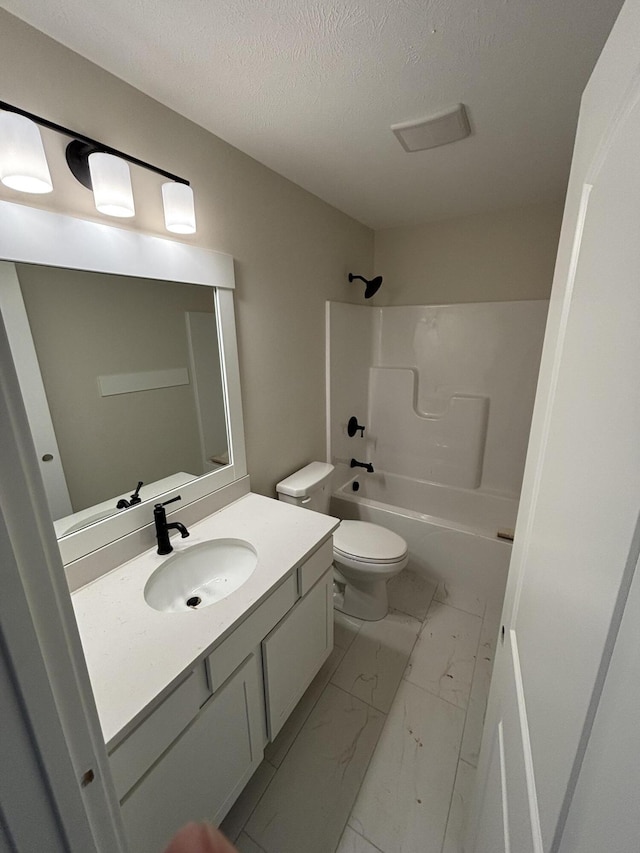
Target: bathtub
451	533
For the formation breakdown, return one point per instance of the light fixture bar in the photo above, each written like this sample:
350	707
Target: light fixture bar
93	143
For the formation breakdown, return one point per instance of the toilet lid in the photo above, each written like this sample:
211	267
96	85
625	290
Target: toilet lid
369	542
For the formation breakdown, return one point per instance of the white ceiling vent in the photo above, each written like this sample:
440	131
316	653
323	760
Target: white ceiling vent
439	129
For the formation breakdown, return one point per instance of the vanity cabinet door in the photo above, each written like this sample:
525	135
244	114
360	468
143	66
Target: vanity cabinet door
295	650
202	774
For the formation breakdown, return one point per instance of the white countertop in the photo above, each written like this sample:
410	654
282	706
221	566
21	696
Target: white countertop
136	654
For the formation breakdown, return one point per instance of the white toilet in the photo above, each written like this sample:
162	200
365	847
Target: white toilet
365	555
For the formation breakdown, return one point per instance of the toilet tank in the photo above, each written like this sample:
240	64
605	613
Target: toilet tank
309	487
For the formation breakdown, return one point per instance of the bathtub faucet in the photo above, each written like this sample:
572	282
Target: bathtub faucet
366	465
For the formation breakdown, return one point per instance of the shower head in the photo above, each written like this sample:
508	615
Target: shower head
372	286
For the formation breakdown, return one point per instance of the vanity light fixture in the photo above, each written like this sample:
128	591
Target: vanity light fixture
179	213
23	163
111	182
99	167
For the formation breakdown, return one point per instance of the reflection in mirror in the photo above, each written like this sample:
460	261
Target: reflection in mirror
130	370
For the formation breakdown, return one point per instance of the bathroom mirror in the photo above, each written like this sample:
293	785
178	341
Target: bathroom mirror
130	371
125	348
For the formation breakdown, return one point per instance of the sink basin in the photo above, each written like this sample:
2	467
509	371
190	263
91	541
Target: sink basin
200	575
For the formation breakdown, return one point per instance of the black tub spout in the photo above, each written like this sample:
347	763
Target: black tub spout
366	465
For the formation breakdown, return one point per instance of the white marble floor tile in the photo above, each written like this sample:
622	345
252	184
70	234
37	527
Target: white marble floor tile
472	739
239	814
411	593
276	751
306	806
491	627
404	800
443	659
476	710
459	811
352	842
345	629
375	662
247	845
460	596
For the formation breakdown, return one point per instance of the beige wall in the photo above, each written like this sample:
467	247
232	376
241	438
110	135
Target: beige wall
484	258
292	250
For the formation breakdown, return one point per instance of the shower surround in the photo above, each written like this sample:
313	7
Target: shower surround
446	395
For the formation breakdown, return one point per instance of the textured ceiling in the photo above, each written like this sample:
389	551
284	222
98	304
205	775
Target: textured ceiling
310	88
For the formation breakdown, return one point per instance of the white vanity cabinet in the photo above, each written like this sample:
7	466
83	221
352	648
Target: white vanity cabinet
190	758
204	771
295	650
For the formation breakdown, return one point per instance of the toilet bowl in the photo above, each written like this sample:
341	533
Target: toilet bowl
365	555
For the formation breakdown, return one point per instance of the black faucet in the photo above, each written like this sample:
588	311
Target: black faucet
134	499
366	465
162	528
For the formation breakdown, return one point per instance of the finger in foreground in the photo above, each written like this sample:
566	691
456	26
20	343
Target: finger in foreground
200	838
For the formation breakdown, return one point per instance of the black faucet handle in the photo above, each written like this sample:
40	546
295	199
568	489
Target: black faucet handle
353	426
135	497
170	501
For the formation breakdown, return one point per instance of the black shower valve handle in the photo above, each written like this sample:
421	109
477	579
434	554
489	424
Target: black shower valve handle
353	426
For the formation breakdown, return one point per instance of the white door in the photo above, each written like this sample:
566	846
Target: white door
576	541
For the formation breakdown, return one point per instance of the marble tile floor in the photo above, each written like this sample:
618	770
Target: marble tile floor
379	755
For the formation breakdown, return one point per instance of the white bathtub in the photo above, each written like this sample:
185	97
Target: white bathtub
451	533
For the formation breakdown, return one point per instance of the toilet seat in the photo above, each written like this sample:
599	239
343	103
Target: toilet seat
368	567
361	543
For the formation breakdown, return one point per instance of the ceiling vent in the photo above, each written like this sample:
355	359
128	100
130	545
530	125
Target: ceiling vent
439	129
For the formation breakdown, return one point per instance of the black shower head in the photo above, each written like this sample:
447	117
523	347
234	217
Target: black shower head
372	286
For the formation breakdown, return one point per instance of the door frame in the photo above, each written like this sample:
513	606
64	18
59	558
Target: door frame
53	722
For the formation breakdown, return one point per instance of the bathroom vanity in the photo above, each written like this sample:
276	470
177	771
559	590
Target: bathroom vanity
187	700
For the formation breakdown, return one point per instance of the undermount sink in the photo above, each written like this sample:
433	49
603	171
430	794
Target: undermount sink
200	575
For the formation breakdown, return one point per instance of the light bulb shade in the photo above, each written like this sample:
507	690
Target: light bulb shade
23	164
111	183
179	212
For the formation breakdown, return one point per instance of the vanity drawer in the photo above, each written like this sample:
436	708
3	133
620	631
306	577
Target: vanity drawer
317	564
133	757
247	636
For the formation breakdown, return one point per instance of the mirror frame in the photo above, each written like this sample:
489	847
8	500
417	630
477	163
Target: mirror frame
32	236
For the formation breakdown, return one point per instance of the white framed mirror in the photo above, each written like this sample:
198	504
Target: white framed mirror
125	348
